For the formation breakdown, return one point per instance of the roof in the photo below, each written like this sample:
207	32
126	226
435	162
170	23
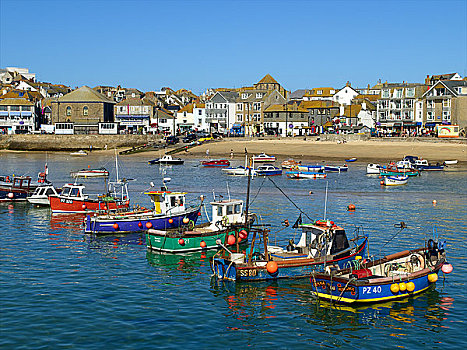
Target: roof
325	92
319	104
134	101
352	111
368	97
188	108
267	79
286	108
15	102
298	94
85	94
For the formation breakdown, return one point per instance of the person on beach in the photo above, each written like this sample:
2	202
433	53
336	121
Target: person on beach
231	154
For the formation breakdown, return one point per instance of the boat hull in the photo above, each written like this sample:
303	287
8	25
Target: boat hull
215	163
399	173
335	169
305	175
225	269
136	223
68	205
395	181
11	194
268	172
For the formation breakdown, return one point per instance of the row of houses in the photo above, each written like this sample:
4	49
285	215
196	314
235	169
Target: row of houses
265	108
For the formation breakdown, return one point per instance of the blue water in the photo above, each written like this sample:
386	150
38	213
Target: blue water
61	288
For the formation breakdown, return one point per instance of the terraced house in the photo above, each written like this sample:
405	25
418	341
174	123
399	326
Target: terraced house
134	115
398	108
17	116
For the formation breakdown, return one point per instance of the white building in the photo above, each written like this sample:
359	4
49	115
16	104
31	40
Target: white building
345	95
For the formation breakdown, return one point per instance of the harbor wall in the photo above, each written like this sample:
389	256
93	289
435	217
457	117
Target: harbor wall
73	142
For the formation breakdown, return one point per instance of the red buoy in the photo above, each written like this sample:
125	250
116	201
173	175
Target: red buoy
231	239
148	225
199	213
171	221
140	225
181	241
202	244
115	226
243	234
351	207
272	267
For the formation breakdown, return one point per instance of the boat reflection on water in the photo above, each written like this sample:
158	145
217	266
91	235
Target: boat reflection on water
67	221
191	263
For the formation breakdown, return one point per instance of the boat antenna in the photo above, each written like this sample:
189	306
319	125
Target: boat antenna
325	200
247	196
213	194
116	163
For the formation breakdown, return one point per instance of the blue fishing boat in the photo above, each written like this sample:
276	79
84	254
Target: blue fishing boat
267	170
353	159
314	168
396	276
321	243
170	211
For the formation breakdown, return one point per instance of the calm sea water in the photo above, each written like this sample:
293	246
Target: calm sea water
61	288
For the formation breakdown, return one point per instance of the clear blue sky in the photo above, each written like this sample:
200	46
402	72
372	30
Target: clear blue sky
202	44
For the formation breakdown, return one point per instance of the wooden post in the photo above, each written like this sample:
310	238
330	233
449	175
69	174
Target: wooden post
265	241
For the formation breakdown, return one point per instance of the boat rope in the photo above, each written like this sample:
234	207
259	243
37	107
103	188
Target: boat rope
291	201
343	290
314	283
259	189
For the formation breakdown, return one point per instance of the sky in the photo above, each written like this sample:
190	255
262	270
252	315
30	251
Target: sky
198	45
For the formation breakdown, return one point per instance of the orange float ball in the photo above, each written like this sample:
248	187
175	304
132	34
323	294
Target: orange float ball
402	287
395	288
410	287
186	220
171	221
272	267
181	241
432	277
243	234
231	240
148	225
83	206
202	244
115	226
382	182
351	207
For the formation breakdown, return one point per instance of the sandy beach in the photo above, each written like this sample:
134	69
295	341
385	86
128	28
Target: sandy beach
364	151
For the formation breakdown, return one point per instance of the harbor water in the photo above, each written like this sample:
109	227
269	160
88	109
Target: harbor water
61	288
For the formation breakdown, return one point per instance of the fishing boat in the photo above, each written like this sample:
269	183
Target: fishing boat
450	162
304	167
393	171
16	188
100	172
215	163
353	159
305	175
336	168
422	164
263	157
394	180
396	276
228	226
289	164
267	170
79	153
167	160
41	195
321	243
241	170
170	211
373	168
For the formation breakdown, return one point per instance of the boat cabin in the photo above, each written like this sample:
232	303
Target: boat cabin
320	240
73	191
167	202
44	191
227	211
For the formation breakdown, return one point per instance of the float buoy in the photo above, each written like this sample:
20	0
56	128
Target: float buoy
434	202
186	220
140	225
10	195
447	268
432	277
148	225
199	213
351	207
202	244
83	206
410	287
115	226
243	234
171	221
402	287
231	240
272	267
181	241
395	288
381	182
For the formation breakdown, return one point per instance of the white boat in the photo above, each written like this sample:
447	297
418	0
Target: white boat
305	175
373	168
79	153
289	163
267	170
166	160
41	195
101	172
394	180
450	162
263	157
241	170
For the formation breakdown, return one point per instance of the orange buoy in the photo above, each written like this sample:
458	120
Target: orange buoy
115	226
171	221
381	182
186	220
351	207
231	239
243	234
148	224
181	241
402	287
83	206
395	288
202	244
432	277
434	202
10	195
272	267
410	287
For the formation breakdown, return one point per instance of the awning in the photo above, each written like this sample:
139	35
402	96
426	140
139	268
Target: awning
430	124
236	126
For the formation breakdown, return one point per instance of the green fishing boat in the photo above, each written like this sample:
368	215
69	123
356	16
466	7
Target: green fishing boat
393	171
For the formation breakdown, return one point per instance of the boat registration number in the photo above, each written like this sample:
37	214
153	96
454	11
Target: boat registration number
370	290
248	273
67	201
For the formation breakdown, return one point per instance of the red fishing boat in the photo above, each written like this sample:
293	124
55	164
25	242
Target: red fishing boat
215	163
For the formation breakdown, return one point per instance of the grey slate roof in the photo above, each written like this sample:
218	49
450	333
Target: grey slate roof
85	94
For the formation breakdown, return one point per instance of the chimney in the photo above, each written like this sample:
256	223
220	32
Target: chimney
427	80
348	83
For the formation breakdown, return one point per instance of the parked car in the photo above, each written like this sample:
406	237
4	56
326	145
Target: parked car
189	138
203	139
172	140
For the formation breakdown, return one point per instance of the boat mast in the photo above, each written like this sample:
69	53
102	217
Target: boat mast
325	200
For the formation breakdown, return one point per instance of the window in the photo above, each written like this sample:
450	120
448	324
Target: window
410	92
3	108
239	117
26	108
430	115
200	112
244	96
14	108
163	121
85	110
332	92
385	93
319	92
68	111
446	103
239	106
398	93
446	115
219	211
259	95
430	104
230	209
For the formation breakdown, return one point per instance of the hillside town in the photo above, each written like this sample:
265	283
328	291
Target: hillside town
265	108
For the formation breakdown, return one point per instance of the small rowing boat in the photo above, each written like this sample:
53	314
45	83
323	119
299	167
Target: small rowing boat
263	157
305	175
351	160
100	172
215	163
394	180
79	153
